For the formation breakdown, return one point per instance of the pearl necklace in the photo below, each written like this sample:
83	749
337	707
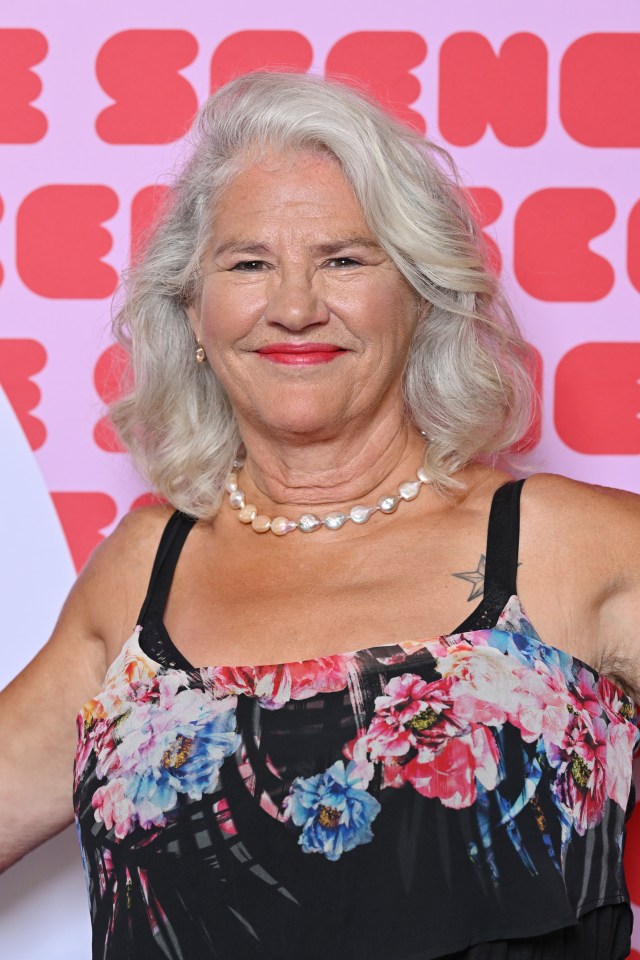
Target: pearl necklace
308	522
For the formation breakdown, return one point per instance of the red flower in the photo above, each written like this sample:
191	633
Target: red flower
422	738
581	761
274	685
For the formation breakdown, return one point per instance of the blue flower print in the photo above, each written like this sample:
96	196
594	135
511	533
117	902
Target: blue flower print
334	810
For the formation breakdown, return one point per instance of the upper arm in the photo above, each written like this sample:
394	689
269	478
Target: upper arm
38	709
589	537
620	610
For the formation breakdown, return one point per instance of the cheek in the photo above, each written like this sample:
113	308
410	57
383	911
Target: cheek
229	313
390	317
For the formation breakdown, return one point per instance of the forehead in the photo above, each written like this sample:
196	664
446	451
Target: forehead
275	184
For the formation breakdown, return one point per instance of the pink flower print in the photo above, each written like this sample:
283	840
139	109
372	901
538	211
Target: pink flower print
230	681
421	738
616	705
113	807
486	683
356	750
441	647
224	818
406	715
451	775
275	685
541	703
621	738
322	675
586	693
105	870
581	776
172	743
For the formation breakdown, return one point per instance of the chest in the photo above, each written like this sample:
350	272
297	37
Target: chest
271	605
237	604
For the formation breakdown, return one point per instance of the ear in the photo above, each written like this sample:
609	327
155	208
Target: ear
193	313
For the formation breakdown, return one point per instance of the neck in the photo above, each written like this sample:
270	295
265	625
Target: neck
287	478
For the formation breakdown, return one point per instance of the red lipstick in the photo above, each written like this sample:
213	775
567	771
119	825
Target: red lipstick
300	354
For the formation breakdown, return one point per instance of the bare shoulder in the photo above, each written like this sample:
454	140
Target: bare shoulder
552	488
113	584
597	526
564	501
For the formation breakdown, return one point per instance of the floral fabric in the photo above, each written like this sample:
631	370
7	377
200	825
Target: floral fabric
220	809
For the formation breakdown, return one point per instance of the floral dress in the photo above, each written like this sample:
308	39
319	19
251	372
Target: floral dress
461	796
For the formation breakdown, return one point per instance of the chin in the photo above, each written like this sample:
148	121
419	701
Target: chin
301	425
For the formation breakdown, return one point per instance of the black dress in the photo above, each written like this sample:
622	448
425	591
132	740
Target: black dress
460	796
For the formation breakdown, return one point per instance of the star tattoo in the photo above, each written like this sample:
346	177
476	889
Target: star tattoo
475	578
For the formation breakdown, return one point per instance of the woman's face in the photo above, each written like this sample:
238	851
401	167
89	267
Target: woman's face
304	318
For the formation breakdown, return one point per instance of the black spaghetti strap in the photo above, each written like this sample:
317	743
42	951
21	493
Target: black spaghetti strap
171	542
503	538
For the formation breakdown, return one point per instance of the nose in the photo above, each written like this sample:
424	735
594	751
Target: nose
295	301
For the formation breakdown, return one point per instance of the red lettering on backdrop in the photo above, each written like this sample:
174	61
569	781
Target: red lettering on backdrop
488	207
19	361
382	60
553	229
19	85
597	398
109	376
83	517
632	860
506	90
139	69
1	267
146	208
600	90
250	50
60	241
633	246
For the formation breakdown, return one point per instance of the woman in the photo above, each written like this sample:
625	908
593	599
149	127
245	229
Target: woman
323	737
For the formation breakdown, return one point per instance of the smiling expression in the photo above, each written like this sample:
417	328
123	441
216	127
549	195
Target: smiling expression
305	319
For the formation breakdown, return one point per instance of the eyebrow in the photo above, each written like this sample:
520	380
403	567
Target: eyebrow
321	249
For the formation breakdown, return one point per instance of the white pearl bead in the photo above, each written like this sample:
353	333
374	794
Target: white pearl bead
261	524
236	499
231	483
360	513
423	475
282	525
333	521
247	513
410	489
389	503
309	522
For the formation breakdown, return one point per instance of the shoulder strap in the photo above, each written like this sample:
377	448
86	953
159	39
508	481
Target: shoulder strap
173	537
503	537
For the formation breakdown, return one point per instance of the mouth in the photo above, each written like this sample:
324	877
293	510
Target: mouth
300	354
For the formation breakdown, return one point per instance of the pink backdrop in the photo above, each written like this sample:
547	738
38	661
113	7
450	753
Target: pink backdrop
539	106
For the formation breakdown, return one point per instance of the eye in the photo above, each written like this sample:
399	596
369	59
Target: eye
344	262
249	266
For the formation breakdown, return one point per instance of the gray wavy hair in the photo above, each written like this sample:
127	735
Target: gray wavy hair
466	384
